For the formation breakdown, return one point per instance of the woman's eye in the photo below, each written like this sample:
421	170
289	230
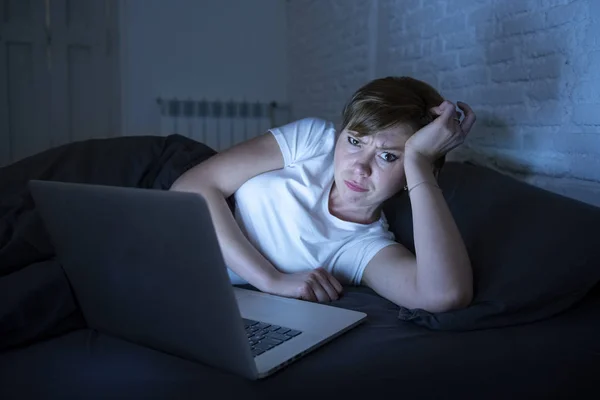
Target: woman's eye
352	141
388	157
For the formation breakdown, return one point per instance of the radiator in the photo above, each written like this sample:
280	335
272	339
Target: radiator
220	124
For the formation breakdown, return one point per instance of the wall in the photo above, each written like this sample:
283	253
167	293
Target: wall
328	54
218	50
529	68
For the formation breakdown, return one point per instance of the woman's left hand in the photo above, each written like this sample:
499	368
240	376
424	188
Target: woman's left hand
443	134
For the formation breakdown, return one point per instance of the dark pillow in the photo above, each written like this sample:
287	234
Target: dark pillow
534	253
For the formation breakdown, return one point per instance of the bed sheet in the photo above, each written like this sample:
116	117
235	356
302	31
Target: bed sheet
553	358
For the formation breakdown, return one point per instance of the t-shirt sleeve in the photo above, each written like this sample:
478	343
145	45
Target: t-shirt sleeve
303	139
349	264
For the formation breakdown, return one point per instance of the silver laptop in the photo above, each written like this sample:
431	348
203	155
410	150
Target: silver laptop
145	265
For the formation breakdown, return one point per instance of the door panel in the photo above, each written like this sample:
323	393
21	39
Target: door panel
25	95
82	93
25	80
58	74
85	67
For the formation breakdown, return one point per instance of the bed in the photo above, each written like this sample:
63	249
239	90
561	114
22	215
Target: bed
555	358
531	332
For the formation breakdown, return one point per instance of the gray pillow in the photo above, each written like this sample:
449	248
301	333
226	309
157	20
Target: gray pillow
534	253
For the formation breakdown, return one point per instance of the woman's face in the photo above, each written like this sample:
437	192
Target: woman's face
370	169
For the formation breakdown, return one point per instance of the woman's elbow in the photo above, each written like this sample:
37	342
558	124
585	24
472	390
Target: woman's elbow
460	300
457	297
449	302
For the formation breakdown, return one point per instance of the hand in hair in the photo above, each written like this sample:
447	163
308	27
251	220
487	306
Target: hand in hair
443	134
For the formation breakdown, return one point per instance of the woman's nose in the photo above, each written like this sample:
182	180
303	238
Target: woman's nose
362	168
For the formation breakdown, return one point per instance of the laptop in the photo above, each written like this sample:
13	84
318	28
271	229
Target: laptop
145	265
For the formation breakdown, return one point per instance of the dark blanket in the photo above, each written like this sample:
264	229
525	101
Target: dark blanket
558	358
36	299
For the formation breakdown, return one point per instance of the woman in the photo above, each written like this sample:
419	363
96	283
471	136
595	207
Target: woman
308	201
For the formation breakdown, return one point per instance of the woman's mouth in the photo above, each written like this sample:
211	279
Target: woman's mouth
355	187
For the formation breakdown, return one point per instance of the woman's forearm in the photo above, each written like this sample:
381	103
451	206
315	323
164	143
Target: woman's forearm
443	267
239	254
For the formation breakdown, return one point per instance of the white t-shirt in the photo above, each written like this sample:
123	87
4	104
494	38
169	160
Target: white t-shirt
285	214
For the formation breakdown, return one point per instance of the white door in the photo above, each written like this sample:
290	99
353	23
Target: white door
58	74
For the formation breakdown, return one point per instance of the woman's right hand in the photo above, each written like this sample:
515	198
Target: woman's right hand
316	285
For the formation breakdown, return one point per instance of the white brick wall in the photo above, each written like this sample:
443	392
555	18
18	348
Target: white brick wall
529	68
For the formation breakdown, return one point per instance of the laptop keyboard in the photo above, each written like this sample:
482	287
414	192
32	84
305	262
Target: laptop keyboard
263	337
